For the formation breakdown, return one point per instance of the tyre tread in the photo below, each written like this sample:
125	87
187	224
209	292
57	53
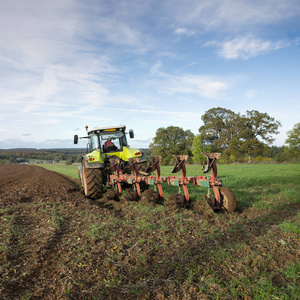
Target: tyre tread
94	184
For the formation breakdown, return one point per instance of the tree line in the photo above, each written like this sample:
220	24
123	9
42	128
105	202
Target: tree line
54	155
240	137
68	156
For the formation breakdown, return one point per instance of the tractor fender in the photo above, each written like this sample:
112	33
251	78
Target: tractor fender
92	165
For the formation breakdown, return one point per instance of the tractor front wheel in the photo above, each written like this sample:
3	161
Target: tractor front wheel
92	182
228	200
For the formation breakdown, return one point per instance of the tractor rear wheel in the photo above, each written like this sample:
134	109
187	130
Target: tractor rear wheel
228	200
92	182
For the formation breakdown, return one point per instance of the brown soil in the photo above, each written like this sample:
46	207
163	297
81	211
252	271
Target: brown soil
57	244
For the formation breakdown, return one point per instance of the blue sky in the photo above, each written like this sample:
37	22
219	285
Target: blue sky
146	64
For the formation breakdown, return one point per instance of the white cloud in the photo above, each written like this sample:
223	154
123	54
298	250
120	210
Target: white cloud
55	61
253	93
45	63
246	47
203	86
184	31
44	91
230	15
116	32
118	23
180	30
181	114
155	70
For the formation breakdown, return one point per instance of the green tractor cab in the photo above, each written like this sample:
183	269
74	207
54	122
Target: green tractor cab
105	144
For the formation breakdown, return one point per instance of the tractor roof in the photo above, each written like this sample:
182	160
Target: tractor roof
108	128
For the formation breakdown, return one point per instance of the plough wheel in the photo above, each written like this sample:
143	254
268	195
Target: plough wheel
92	182
228	200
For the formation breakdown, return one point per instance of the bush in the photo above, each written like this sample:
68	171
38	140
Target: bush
68	162
283	157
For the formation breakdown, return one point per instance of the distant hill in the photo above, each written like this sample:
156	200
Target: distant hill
54	150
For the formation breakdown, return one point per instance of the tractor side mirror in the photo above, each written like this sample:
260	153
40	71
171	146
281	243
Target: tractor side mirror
131	134
76	139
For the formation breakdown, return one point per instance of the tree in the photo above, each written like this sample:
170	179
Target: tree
256	130
169	141
199	147
238	135
219	127
274	151
293	141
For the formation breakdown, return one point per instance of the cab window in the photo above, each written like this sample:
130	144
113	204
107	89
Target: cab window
94	142
118	139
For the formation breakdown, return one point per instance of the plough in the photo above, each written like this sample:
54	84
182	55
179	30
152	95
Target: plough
223	198
113	162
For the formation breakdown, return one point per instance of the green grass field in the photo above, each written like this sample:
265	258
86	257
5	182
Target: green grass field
71	170
255	185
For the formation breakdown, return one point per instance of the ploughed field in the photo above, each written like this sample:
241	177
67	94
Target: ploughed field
57	244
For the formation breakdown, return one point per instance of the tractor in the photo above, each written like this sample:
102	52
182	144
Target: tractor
104	145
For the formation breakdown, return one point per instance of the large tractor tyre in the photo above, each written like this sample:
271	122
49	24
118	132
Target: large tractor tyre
92	182
228	200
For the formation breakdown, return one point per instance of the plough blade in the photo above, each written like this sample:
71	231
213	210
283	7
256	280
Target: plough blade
211	158
180	159
154	161
131	175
